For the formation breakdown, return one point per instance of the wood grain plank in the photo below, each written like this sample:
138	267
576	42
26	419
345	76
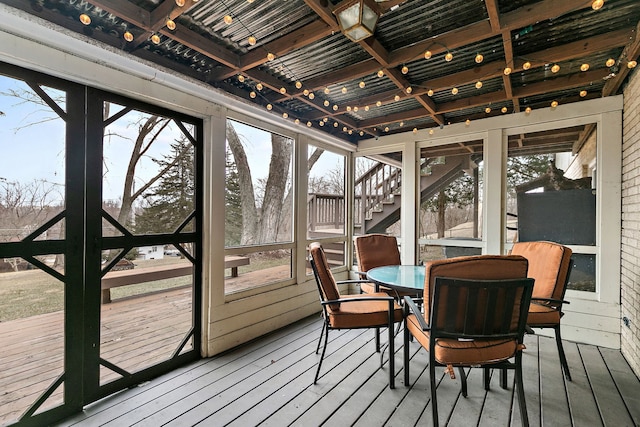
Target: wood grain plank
608	401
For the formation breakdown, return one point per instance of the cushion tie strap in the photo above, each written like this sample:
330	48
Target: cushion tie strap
449	370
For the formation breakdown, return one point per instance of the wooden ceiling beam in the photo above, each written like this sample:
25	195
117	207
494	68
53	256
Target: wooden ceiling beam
578	49
297	39
632	51
560	83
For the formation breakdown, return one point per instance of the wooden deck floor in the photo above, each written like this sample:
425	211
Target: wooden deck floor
268	382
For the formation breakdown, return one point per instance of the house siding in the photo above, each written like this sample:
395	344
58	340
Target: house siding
630	248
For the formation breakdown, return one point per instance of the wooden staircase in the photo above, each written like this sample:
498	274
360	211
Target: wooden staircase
380	205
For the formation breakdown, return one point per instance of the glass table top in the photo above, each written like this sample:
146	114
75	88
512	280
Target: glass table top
400	277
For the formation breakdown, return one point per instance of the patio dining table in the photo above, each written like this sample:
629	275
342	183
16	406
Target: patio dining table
406	278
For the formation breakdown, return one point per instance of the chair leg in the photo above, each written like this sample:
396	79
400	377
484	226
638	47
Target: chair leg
377	336
503	378
563	358
324	325
463	381
392	358
519	384
432	383
406	354
324	349
486	378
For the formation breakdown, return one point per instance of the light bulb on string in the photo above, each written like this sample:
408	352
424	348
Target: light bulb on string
479	58
85	19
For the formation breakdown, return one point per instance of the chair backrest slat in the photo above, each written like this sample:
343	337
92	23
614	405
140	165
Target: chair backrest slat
455	312
481	267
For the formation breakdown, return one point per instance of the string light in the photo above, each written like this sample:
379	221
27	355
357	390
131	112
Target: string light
404	69
269	107
527	110
355	109
430	131
380	73
454	91
584	67
507	71
335	124
526	65
85	19
335	107
298	85
283	90
361	133
555	68
227	19
396	98
155	39
479	58
427	54
597	4
478	84
415	130
311	95
285	115
240	78
504	109
610	62
467	122
128	36
271	56
366	108
171	24
583	93
344	89
409	89
305	92
430	92
554	104
632	64
378	103
180	3
487	110
252	94
296	121
448	57
259	86
309	124
362	85
386	129
326	103
252	40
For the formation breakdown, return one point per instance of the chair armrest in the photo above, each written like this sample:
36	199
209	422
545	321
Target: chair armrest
549	302
411	307
343	282
362	298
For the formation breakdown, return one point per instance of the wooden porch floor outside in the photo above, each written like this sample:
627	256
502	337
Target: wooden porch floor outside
268	382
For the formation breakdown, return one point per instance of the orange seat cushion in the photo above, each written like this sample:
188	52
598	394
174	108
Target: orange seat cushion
539	314
362	314
455	352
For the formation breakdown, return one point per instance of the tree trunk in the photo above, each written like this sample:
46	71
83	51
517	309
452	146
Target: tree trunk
276	186
247	194
441	211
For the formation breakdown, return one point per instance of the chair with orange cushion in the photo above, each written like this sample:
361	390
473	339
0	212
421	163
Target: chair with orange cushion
351	311
550	266
476	349
377	250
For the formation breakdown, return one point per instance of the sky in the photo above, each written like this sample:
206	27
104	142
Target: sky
32	146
